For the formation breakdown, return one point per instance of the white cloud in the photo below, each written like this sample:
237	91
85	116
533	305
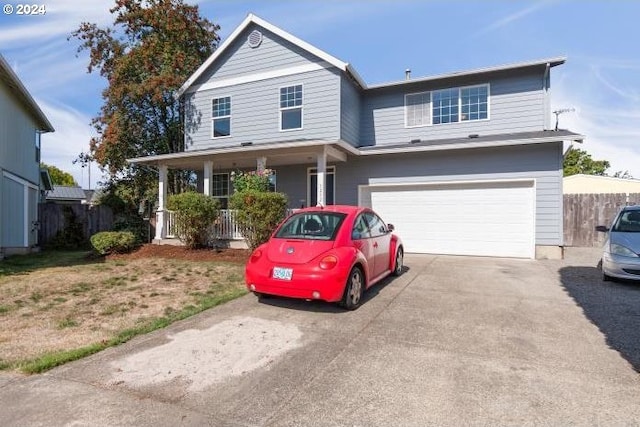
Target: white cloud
608	118
512	17
72	136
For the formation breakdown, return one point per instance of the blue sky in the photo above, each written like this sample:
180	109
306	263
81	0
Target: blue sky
380	38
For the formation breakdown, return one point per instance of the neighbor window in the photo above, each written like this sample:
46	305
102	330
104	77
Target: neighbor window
474	103
417	109
291	107
38	134
221	188
221	117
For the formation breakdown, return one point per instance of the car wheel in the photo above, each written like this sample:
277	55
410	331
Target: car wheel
606	277
353	289
397	266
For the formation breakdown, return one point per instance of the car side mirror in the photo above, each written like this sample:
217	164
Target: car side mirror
390	227
602	228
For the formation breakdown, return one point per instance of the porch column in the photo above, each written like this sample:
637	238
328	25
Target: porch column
261	164
322	177
161	231
207	179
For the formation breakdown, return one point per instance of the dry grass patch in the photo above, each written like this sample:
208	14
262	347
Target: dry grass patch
56	309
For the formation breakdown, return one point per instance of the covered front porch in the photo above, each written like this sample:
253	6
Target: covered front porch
213	168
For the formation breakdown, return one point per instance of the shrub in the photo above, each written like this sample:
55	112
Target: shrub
253	180
107	242
195	213
258	214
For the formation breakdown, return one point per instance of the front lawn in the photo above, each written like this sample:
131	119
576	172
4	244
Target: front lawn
60	306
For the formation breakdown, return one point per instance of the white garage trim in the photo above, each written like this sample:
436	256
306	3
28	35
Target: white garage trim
479	217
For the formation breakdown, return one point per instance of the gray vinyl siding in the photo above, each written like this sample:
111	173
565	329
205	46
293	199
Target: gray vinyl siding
350	105
12	213
274	53
17	139
540	162
516	104
255	111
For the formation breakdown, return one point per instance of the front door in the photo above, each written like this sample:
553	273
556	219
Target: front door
312	186
381	243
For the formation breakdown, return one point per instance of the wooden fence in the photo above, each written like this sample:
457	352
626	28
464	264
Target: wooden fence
54	218
583	212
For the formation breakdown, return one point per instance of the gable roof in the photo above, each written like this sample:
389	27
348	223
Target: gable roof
253	19
15	86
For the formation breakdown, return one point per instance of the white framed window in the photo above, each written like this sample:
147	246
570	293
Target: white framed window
221	117
291	107
312	186
450	105
220	189
445	106
417	109
474	103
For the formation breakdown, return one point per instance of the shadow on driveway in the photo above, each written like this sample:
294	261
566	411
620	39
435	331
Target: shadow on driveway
614	307
326	307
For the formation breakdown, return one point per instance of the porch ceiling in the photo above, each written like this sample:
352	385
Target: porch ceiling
246	156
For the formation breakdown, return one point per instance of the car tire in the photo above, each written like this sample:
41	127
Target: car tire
397	265
353	290
606	277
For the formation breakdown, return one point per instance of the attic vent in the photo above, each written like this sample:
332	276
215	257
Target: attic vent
254	39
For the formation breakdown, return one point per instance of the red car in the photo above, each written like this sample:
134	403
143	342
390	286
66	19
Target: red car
331	253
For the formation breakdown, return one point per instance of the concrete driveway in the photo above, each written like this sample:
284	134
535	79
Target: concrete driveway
453	341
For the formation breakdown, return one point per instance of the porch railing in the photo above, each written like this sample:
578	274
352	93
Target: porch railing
225	228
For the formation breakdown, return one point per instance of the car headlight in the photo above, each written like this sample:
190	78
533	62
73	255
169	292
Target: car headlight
617	249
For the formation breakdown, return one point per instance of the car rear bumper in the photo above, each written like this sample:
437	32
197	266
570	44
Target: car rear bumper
621	267
305	283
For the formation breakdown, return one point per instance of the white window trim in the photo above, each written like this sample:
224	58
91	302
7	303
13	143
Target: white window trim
330	170
460	121
488	86
213	119
281	109
228	185
406	125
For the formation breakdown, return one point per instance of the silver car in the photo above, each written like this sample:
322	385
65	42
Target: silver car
621	255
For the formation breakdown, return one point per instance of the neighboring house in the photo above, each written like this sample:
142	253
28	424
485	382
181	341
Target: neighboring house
21	124
464	163
63	194
595	184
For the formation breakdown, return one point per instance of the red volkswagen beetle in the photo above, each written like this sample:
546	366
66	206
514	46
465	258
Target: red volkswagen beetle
331	253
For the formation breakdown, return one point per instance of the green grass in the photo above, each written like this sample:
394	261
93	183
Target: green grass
51	360
23	264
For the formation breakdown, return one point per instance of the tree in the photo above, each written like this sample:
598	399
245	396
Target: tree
150	50
58	176
622	174
579	161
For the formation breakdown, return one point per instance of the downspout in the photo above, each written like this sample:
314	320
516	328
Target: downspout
547	100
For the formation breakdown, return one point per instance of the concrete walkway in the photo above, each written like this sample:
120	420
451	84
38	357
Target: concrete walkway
453	341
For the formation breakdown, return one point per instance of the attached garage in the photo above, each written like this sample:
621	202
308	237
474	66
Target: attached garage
493	218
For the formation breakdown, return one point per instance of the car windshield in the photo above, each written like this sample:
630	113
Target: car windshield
311	225
628	222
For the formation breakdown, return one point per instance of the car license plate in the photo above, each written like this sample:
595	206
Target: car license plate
282	273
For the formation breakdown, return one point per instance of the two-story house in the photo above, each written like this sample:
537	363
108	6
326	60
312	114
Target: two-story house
21	124
464	163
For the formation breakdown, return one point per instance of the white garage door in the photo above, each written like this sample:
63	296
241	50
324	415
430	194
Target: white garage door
486	219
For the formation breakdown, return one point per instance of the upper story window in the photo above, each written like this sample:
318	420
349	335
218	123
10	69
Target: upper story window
221	117
451	105
445	106
418	106
291	107
474	101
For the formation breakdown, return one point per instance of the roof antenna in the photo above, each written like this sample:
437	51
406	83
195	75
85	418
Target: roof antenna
562	111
